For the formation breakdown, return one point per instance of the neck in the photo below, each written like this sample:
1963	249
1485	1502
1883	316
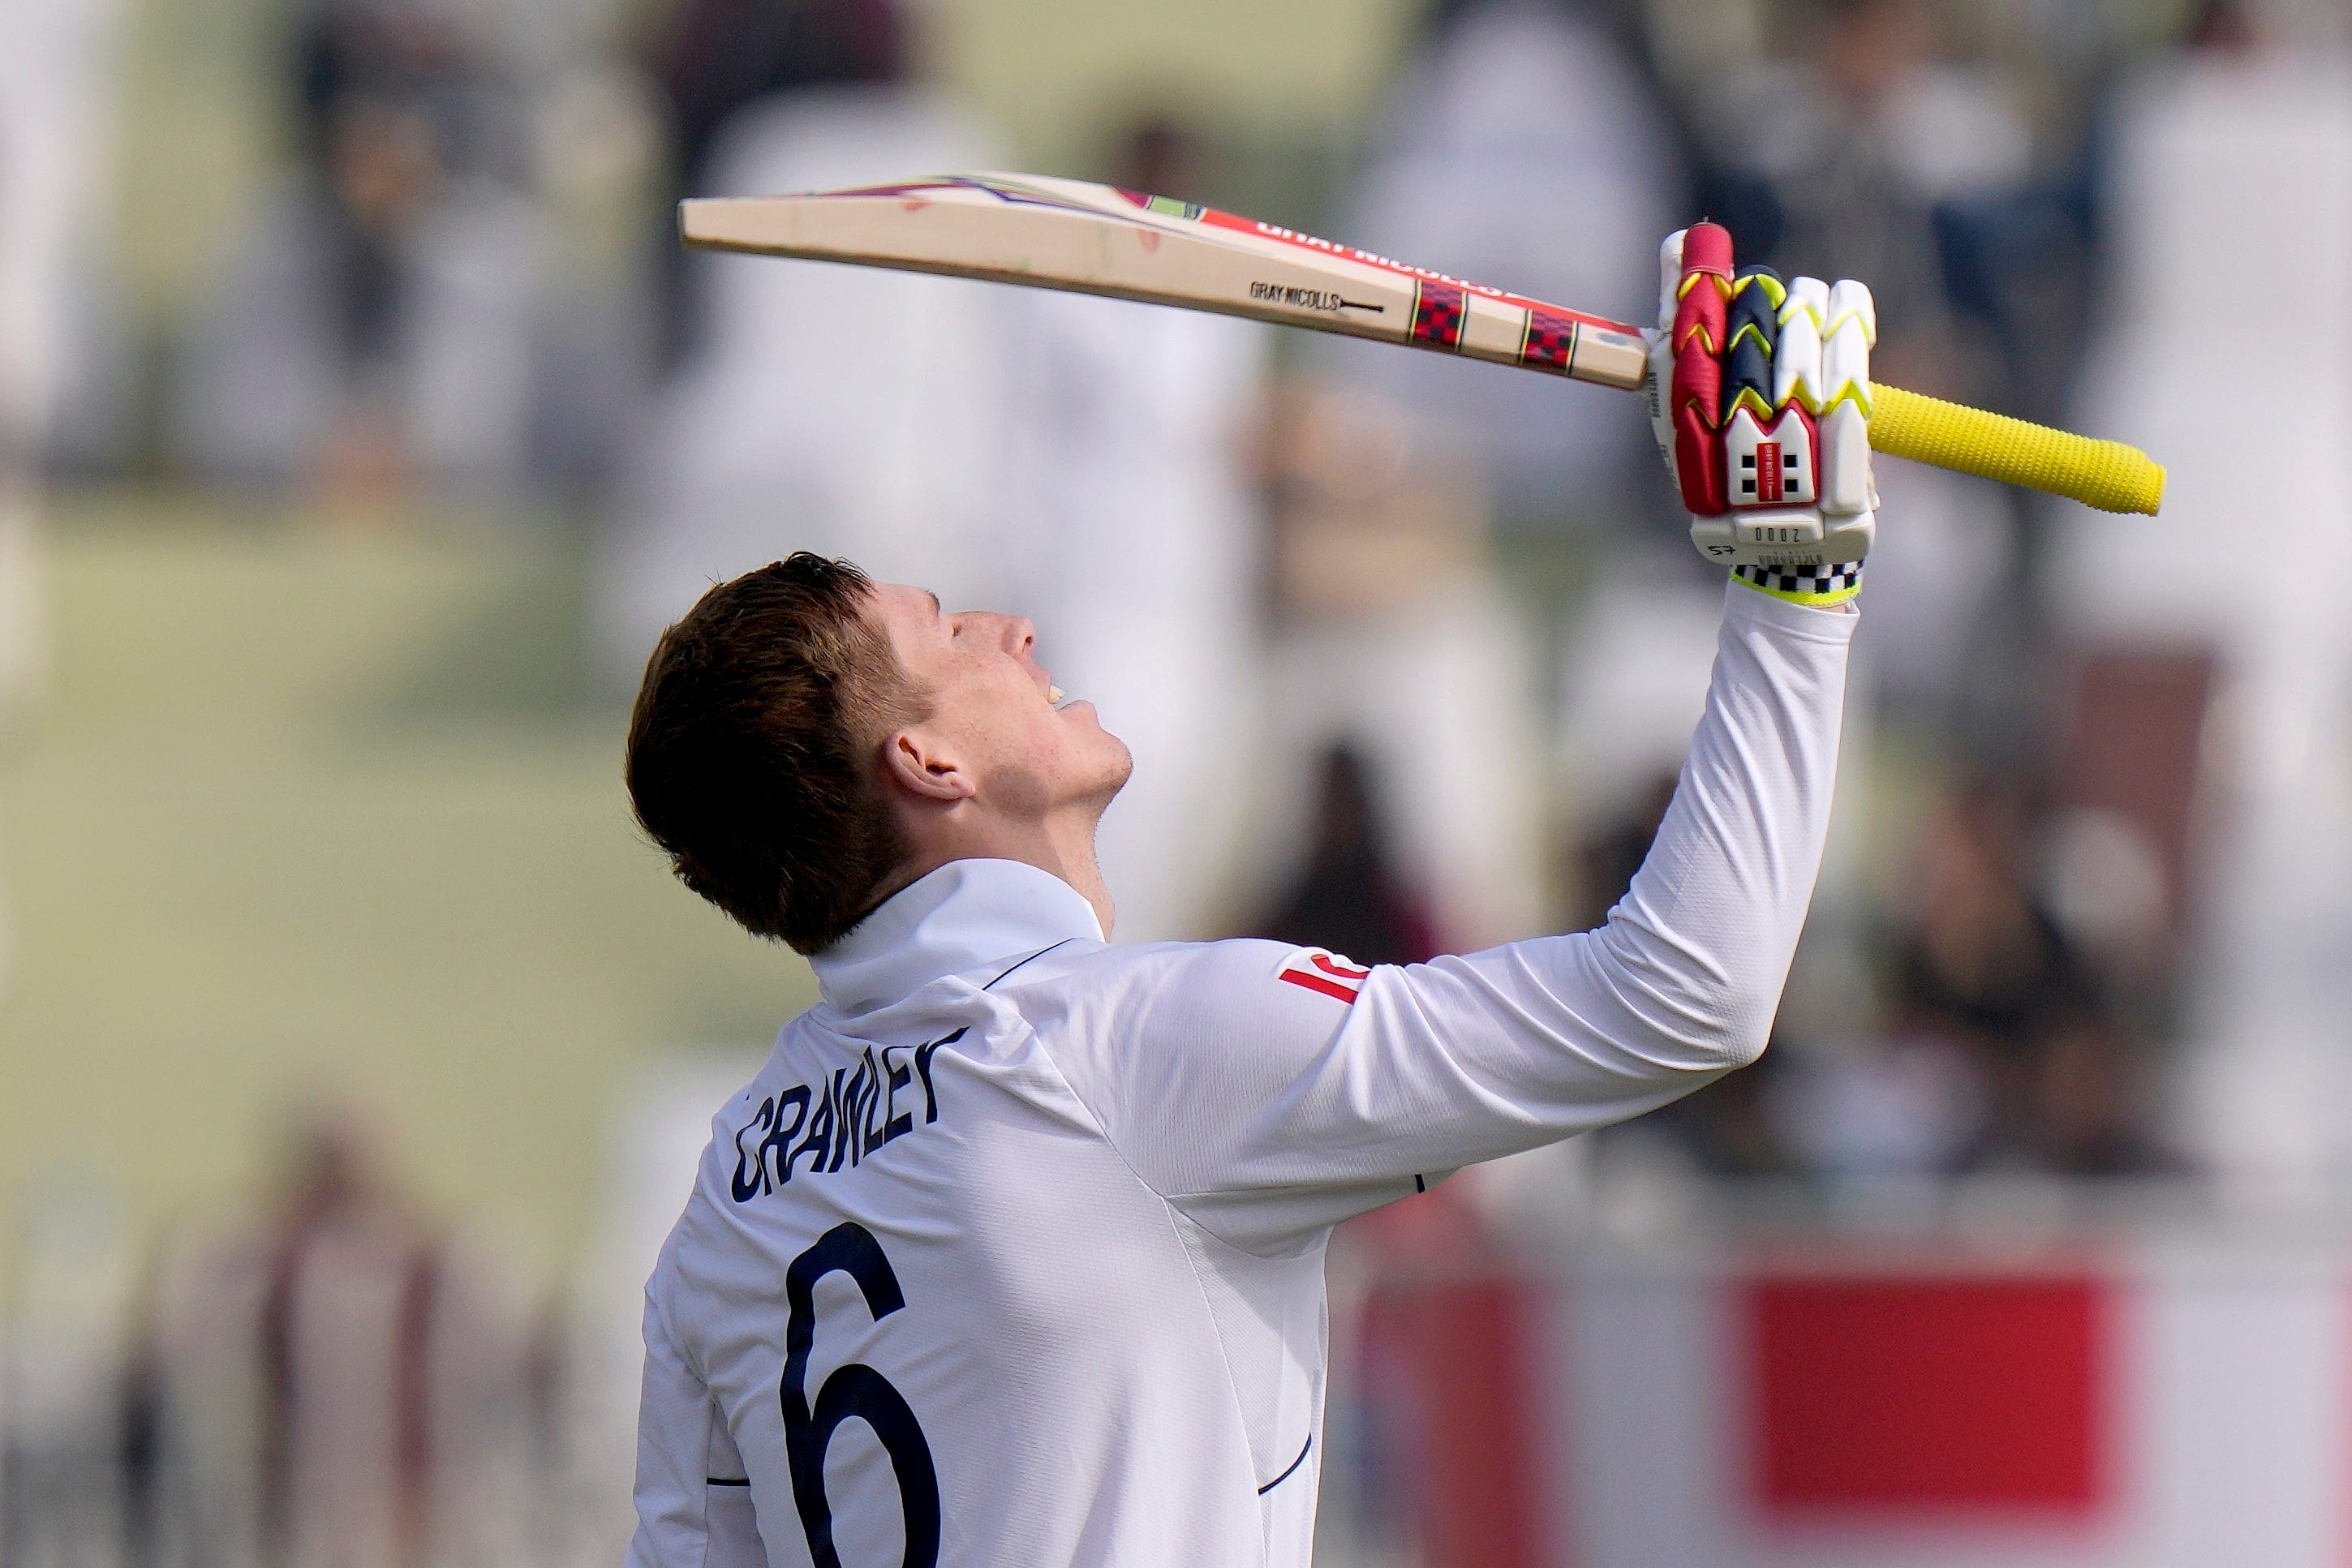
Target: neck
1062	845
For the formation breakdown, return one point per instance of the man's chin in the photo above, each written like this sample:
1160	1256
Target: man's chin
1119	765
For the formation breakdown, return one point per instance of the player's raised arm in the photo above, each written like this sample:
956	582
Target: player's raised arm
1269	1089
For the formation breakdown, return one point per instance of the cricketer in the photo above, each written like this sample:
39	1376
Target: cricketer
1013	1253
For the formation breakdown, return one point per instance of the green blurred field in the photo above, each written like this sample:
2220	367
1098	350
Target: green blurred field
303	806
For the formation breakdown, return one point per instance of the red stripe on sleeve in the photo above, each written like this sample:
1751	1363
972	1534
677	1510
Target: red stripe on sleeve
1332	989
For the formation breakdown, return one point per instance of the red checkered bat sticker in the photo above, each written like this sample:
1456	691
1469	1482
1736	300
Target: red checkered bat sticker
1320	971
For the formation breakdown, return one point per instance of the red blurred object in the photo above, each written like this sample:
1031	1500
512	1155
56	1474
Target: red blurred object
1469	1348
1454	1342
1943	1396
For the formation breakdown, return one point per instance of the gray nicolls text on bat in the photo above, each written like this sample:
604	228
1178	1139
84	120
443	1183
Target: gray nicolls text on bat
1306	298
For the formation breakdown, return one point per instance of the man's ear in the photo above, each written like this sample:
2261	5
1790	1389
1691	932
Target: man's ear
912	761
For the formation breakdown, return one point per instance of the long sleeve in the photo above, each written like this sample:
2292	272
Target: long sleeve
694	1500
1269	1091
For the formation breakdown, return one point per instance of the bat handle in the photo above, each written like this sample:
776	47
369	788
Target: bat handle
2107	475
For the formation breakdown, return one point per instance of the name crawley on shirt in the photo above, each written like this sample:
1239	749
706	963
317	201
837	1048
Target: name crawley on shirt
848	1116
845	1117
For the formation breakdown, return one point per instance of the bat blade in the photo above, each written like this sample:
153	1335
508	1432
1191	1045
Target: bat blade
1097	239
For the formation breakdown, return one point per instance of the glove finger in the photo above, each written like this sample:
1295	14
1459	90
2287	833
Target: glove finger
1703	291
1752	325
1797	358
1699	315
1845	364
1848	298
1850	329
1810	296
1698	464
1753	310
1758	289
1698	385
1747	379
1702	296
1670	277
1845	479
1706	250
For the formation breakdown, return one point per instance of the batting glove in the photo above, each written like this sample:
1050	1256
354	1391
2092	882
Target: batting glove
1759	398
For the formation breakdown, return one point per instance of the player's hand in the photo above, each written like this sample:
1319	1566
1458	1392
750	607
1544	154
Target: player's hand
1759	398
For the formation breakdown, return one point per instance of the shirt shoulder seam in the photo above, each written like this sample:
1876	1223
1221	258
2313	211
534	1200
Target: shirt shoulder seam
1176	1202
657	1303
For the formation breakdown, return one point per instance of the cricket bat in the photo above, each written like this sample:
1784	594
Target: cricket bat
1098	239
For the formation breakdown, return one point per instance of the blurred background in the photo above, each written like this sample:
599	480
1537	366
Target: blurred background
361	424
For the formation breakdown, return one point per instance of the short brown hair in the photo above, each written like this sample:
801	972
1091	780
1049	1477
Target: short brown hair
751	757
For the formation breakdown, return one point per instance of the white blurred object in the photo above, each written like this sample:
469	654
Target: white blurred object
1948	132
1931	575
1898	1108
266	384
1130	475
2105	883
1524	151
661	1125
843	409
1395	640
1438	695
1633	686
2219	161
57	63
64	1341
2302	23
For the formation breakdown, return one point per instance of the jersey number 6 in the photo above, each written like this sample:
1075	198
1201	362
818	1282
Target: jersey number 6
853	1391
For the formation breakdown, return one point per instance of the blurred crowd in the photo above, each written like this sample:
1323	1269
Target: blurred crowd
1407	649
338	1377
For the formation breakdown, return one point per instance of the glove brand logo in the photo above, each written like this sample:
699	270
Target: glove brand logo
1325	973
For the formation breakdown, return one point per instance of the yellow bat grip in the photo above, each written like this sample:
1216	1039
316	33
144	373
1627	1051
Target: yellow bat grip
2107	475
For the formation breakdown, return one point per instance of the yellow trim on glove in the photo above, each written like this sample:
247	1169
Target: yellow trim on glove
1833	584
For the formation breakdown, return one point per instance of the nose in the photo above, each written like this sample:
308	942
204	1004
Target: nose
1013	633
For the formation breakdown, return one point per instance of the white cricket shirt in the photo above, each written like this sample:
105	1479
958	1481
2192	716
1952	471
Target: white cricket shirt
1013	1253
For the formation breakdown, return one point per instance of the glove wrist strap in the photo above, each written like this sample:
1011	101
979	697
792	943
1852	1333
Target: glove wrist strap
1830	583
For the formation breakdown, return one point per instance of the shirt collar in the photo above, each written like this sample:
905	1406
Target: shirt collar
958	918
